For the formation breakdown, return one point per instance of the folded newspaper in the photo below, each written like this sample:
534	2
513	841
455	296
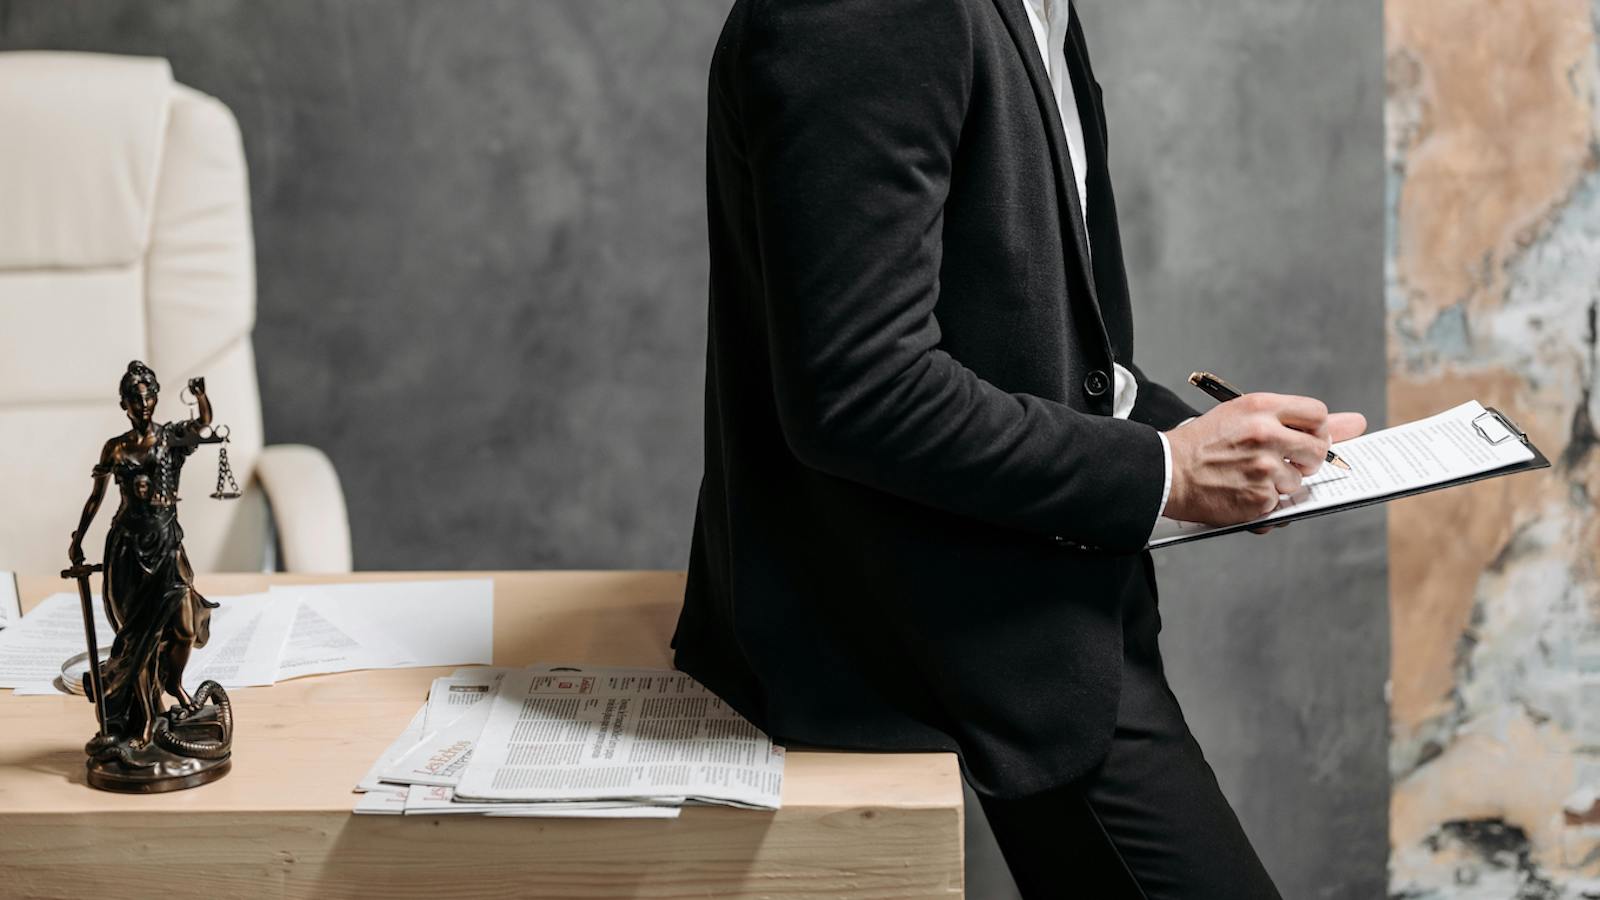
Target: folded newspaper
573	742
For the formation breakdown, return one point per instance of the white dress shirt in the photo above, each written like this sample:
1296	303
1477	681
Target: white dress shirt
1049	19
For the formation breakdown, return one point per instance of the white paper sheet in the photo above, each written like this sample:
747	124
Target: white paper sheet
10	603
32	651
247	633
260	639
596	735
393	624
318	646
1434	450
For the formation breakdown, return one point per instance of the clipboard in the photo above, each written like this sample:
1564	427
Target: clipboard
1492	425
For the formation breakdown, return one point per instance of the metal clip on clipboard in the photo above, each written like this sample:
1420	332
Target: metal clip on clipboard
1508	428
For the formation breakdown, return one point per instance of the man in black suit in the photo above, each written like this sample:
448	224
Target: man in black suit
932	465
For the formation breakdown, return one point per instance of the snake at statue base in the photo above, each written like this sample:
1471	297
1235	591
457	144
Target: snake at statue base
210	692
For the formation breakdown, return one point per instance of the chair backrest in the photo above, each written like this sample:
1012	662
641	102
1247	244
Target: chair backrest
124	234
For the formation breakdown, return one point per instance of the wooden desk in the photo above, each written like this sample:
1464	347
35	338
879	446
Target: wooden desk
279	825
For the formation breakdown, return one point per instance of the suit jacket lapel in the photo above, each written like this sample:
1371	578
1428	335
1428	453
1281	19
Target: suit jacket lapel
1016	19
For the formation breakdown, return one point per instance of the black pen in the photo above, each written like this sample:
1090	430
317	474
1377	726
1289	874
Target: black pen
1222	392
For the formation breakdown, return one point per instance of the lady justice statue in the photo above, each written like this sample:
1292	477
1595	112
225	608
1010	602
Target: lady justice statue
151	602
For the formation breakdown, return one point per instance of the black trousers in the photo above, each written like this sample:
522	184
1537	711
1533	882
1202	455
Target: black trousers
1150	823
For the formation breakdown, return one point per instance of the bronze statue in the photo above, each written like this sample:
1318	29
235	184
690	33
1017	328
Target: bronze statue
150	600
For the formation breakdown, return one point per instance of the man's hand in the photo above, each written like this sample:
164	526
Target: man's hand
1231	464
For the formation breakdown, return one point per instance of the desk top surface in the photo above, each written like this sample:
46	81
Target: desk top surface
301	745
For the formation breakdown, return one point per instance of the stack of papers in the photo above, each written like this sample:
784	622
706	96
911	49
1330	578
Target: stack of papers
572	742
260	639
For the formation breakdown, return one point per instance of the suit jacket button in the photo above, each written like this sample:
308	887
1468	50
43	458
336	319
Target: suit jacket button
1096	383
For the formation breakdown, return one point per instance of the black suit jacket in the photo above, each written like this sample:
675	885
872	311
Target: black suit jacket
918	522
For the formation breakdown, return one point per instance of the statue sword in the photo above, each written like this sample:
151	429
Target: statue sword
81	573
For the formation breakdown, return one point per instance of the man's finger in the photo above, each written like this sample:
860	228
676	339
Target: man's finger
1345	425
1286	479
1309	469
1305	452
1301	413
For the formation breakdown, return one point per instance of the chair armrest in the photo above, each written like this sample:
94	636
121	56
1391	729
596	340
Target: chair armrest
307	508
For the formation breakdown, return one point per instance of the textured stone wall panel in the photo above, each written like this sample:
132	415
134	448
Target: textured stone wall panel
1492	282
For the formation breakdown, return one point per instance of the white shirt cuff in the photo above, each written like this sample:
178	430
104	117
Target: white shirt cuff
1166	478
1125	392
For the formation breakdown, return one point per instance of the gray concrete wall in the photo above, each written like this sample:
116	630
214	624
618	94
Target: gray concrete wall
482	272
1247	151
480	236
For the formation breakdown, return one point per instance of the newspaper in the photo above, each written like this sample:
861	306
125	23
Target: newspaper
397	801
417	773
426	800
595	734
452	720
386	801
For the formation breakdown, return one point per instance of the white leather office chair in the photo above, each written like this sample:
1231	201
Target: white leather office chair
125	234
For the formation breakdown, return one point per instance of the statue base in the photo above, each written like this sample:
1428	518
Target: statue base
190	747
179	775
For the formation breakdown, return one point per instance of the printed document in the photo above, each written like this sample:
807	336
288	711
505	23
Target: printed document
388	625
247	634
32	650
1435	450
260	639
598	735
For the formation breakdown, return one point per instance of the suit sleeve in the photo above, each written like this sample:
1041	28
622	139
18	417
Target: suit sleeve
1157	406
851	112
